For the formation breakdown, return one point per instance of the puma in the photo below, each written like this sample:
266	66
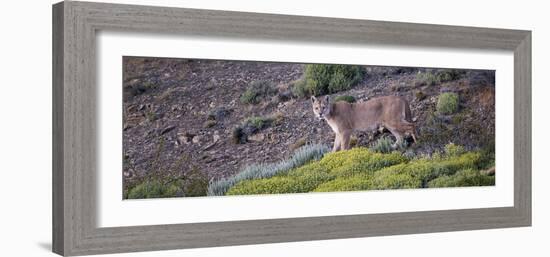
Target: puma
391	112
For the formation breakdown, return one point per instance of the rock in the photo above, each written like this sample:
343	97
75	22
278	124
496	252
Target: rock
185	138
216	137
260	137
167	129
197	139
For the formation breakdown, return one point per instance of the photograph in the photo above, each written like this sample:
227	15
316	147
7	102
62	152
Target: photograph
198	127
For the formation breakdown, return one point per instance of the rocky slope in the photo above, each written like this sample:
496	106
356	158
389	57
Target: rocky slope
180	115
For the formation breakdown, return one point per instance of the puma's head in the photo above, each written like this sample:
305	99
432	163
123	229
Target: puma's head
321	106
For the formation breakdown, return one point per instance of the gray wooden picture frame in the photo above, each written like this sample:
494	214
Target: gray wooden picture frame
75	25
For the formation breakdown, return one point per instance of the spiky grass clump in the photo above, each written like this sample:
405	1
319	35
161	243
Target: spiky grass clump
300	157
382	145
426	78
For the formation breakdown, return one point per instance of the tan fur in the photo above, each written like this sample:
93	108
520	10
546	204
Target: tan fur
391	112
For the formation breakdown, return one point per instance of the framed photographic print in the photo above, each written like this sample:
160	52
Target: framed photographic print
183	128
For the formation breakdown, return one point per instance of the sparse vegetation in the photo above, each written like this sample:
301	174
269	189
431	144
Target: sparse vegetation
254	124
430	78
346	98
426	78
447	103
323	79
218	113
454	150
382	145
257	91
448	75
258	122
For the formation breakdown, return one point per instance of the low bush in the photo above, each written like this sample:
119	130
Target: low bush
448	75
323	79
281	184
354	183
238	136
363	169
382	145
453	150
429	78
426	78
463	178
258	122
339	165
155	189
299	88
252	125
358	160
300	157
257	91
195	183
345	98
447	103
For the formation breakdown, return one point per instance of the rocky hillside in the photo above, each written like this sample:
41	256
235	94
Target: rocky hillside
199	118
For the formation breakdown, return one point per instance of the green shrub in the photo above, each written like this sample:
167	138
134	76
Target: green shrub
426	78
196	183
300	157
252	125
447	103
331	78
238	136
448	75
300	89
358	160
382	145
354	183
346	98
463	178
298	182
358	169
258	122
453	150
257	91
155	189
417	173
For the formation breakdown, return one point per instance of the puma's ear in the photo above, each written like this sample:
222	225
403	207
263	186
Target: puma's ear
313	99
327	98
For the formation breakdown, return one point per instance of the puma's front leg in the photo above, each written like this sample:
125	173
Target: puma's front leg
345	140
336	146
